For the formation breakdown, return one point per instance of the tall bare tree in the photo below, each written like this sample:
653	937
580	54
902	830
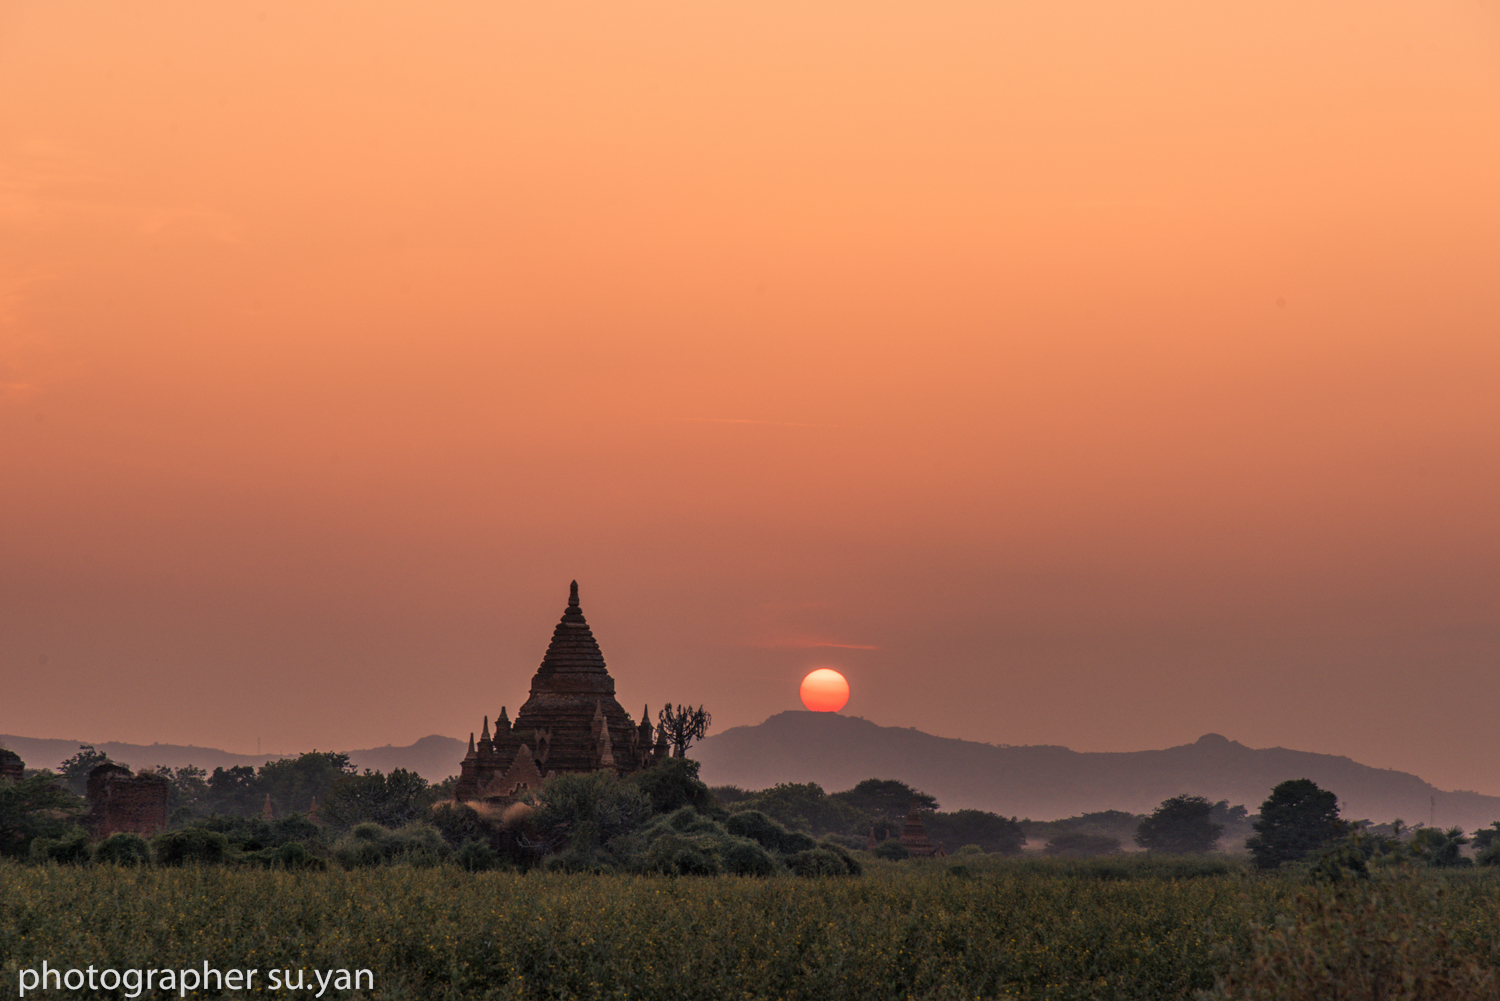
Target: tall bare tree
682	726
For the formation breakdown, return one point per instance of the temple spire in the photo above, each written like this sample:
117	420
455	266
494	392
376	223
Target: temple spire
573	595
485	733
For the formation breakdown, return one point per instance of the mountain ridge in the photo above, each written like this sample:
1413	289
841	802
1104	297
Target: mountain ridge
1049	781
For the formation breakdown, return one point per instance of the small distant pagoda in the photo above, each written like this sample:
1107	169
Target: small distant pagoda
571	723
914	838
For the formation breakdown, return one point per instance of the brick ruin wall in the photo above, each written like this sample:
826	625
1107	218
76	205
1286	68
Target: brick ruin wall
121	802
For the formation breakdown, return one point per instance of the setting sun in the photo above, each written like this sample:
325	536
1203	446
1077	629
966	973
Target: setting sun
825	691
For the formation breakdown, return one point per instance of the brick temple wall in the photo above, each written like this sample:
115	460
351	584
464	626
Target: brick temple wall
11	765
119	801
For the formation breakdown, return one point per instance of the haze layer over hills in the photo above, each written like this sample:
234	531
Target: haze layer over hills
1046	782
1040	782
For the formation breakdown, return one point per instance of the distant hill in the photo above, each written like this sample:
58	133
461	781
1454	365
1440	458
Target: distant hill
434	757
1048	783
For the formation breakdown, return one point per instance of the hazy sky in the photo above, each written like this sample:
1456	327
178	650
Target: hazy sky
1098	374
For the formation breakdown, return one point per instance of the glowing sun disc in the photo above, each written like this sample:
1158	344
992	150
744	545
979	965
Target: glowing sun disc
825	691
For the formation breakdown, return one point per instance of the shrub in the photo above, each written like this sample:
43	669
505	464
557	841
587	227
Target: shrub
586	810
673	783
851	864
677	855
459	823
477	855
1081	845
1441	849
578	860
689	821
744	857
292	855
75	848
768	833
123	849
190	845
370	844
891	849
817	862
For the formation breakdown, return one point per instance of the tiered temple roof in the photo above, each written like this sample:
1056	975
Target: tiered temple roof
914	837
570	723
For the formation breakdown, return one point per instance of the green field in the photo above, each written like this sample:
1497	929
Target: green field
1018	928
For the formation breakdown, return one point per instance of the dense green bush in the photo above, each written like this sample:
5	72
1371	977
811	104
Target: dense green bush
1081	845
292	855
35	807
744	857
477	855
585	810
819	861
674	854
73	848
190	845
892	849
369	844
460	823
252	834
672	784
123	849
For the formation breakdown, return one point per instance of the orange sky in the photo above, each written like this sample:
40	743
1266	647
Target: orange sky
1074	373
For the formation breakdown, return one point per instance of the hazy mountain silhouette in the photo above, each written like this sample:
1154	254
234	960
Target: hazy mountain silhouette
1047	782
434	757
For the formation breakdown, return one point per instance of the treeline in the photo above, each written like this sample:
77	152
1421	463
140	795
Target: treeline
663	820
875	807
328	780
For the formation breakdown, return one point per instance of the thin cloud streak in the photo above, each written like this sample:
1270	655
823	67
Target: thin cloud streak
743	420
808	644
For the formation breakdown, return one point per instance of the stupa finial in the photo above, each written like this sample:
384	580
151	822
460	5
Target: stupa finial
573	595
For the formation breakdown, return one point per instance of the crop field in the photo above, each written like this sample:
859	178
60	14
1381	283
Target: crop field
989	928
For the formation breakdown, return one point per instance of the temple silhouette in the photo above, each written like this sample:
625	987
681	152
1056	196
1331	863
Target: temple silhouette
570	723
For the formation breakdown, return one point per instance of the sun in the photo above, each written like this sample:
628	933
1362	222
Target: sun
825	691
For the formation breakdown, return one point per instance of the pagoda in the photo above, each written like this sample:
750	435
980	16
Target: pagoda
914	837
570	723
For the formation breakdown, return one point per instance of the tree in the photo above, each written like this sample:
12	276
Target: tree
1441	849
585	810
393	800
1181	825
293	783
1295	820
804	806
673	784
682	726
1487	844
235	790
886	798
989	831
35	807
75	770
